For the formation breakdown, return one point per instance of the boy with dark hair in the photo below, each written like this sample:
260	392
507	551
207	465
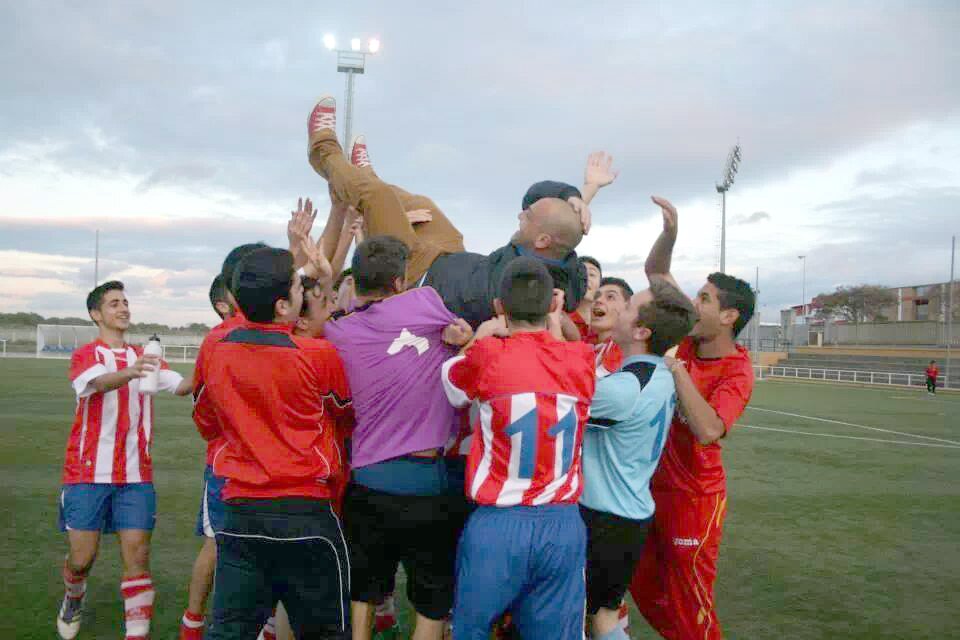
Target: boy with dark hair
220	298
396	509
673	582
582	315
275	395
612	298
210	516
108	473
523	549
629	417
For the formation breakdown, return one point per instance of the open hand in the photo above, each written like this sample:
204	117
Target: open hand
600	169
416	216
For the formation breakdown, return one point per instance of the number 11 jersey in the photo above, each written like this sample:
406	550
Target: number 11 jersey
533	394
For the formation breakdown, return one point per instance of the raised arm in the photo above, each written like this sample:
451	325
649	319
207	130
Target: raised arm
352	229
661	254
598	173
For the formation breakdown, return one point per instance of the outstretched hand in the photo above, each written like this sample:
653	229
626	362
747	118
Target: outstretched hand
416	216
298	229
669	215
458	333
600	171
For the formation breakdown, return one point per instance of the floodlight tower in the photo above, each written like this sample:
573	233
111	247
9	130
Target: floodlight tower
351	62
729	173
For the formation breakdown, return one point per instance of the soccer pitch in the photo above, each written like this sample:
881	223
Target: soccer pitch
843	520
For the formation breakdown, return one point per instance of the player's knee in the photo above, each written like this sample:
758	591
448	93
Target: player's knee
136	556
80	561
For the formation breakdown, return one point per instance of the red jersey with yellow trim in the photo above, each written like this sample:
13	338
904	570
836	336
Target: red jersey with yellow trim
726	384
276	397
111	434
532	394
608	359
203	414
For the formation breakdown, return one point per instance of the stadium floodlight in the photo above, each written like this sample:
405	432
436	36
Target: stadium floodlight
350	62
729	174
803	300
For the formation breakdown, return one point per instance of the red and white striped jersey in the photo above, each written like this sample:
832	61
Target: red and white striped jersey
532	396
111	434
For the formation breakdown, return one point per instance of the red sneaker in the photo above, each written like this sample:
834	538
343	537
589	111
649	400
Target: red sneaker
323	116
358	152
191	627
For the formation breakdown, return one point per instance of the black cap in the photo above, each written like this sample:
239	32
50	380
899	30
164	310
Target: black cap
549	189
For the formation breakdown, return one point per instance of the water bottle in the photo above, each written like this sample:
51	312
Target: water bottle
151	383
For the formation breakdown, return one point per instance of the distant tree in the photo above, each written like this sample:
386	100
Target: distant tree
20	319
862	303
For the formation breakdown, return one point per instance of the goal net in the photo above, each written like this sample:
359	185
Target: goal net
59	341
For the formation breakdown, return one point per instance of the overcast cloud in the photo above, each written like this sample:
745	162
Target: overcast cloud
178	130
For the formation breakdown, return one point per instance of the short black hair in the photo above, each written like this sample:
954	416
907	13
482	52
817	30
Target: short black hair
526	289
262	277
625	288
670	316
218	291
591	260
377	263
95	297
734	294
233	259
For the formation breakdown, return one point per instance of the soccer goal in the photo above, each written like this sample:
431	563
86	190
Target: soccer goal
59	340
758	372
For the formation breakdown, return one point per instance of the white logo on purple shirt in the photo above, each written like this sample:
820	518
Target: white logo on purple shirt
408	339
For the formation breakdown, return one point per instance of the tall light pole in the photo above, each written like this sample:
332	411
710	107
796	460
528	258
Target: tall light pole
953	255
729	173
96	259
351	62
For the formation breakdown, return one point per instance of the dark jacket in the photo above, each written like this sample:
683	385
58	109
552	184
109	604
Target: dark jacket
468	282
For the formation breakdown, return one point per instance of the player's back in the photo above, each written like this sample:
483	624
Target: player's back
392	352
533	394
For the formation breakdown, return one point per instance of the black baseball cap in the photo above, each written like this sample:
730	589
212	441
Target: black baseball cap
549	189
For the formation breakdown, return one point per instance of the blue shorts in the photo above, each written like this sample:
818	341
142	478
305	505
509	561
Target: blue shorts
108	508
526	560
210	518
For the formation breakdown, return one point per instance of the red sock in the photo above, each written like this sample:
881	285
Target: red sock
75	584
138	595
191	626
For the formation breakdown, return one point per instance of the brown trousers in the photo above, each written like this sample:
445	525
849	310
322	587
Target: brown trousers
384	206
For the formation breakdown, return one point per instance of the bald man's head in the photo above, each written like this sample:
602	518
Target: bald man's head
550	227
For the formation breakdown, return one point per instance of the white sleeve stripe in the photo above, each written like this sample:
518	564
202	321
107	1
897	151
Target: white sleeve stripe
81	384
455	394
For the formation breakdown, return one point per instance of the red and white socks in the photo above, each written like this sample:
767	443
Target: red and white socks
191	626
75	584
269	631
138	596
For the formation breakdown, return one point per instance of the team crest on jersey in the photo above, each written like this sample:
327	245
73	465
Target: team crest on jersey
407	339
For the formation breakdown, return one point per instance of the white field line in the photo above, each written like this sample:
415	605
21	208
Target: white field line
859	426
835	435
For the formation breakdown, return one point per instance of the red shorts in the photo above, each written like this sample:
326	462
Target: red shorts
673	581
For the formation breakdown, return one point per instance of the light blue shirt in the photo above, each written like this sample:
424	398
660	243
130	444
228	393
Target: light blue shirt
627	429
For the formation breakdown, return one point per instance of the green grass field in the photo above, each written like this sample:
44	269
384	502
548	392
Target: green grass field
826	537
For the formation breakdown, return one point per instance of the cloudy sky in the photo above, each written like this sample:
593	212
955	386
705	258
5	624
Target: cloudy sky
178	130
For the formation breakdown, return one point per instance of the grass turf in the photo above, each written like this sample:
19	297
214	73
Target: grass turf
825	537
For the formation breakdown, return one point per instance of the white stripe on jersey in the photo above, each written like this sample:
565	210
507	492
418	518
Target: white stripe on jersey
486	430
132	443
513	489
103	471
455	394
565	404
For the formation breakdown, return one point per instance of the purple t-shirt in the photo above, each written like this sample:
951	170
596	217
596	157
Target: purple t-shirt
392	352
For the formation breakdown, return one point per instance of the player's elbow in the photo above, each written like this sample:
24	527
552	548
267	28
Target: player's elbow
712	431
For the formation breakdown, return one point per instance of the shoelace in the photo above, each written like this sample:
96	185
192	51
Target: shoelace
362	159
323	119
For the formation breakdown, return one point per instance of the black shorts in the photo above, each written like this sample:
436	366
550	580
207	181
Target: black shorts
287	549
614	545
421	532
